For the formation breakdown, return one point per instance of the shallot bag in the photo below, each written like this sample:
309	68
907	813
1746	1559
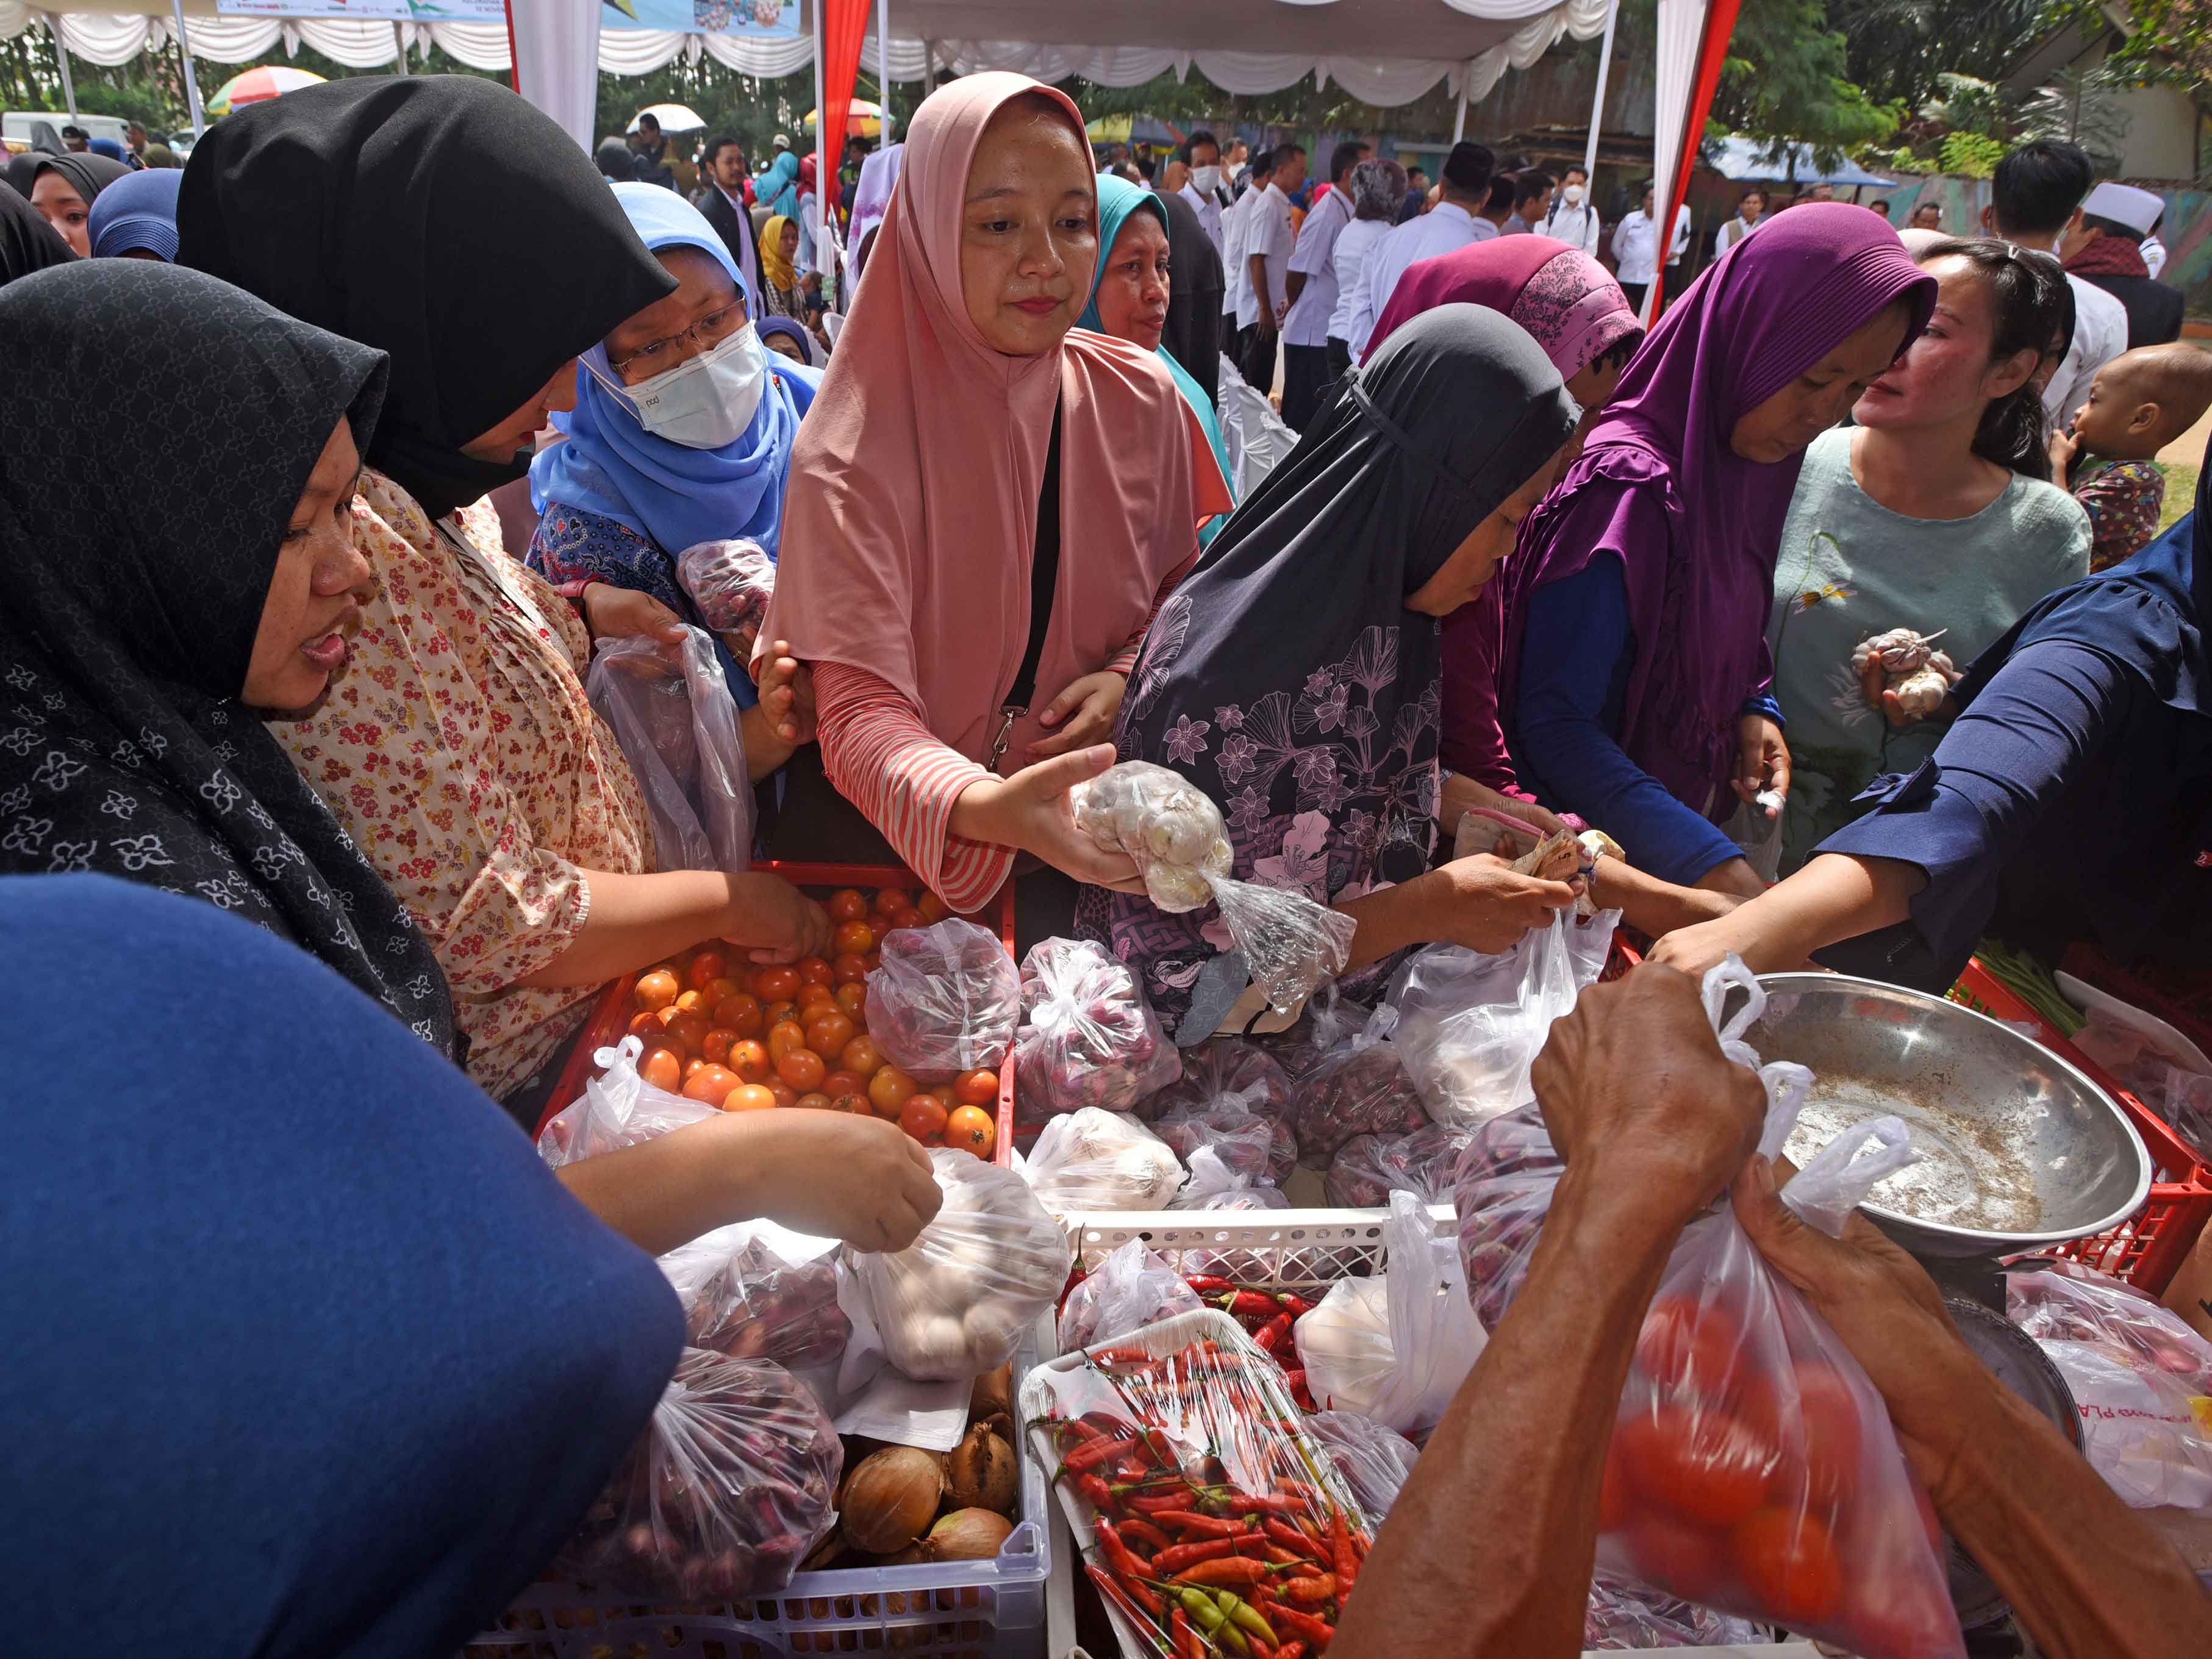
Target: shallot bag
1471	1026
678	726
1131	1289
1088	1037
1396	1348
1361	1087
1214	1186
730	582
724	1496
1221	1066
947	999
1291	945
1368	1168
618	1107
744	1299
1622	1616
1093	1159
1258	1148
1376	1462
1752	1468
957	1301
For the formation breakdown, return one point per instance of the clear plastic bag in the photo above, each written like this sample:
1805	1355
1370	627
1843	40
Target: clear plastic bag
1131	1289
1330	1017
2066	1302
1257	1148
732	583
957	1301
618	1107
1470	1025
1622	1616
947	999
1368	1168
1361	1087
1222	1066
678	726
1376	1462
724	1494
1291	944
743	1300
1214	1186
1088	1037
1395	1348
2155	1070
1098	1160
1752	1468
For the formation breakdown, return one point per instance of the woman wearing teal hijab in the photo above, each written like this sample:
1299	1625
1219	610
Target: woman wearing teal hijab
1129	295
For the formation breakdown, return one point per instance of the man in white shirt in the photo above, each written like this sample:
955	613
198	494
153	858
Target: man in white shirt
1263	299
2035	197
1572	219
1205	190
1448	225
1233	271
1635	249
2154	251
1376	189
1311	289
1750	214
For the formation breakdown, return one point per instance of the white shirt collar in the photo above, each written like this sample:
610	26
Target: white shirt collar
1442	208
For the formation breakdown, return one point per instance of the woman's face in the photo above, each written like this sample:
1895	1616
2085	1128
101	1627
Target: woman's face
784	346
518	433
53	195
788	243
704	311
1471	564
1133	294
1029	230
1947	374
1592	385
315	592
1792	417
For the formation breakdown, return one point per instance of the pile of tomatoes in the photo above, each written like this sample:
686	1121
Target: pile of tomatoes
719	1030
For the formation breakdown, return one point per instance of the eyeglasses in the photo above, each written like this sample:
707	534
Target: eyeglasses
709	331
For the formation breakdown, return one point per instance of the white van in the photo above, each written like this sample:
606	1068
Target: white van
21	127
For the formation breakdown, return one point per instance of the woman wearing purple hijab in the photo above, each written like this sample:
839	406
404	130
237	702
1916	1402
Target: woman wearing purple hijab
1633	687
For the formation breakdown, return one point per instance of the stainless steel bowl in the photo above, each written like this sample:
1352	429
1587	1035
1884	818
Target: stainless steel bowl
2019	1150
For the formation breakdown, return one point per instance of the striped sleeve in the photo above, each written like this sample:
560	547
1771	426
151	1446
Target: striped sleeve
882	759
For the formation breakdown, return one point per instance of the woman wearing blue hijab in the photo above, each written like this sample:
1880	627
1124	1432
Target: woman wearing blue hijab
682	434
1129	296
137	216
779	185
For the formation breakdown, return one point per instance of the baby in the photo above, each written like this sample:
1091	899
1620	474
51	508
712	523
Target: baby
2139	403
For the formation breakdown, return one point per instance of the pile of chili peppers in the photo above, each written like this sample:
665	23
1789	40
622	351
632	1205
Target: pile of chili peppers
1266	1317
1219	1527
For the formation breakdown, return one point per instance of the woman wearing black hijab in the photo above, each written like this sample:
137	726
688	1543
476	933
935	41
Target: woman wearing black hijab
1296	676
27	242
145	604
1194	325
63	189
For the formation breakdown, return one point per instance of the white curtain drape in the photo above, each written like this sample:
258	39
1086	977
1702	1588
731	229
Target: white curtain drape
557	52
1681	27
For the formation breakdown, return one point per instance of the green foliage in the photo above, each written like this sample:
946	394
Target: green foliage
1972	154
2084	106
1784	83
1969	103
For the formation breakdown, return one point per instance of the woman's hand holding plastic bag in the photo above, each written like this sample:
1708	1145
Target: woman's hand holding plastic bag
671	710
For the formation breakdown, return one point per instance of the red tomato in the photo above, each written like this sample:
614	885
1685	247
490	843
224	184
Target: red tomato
716	1046
1702	1465
1788	1563
971	1129
854	1000
888	1090
662	1068
1672	1556
802	1069
851	967
718	988
923	1116
892	900
711	1085
812	970
1691	1351
783	1037
854	939
740	1014
783	1093
657	989
976	1088
878	926
906	919
689	1030
691	1002
828	1030
749	1060
815	1103
847	904
843	1082
748	1098
815	996
777	1012
646	1023
857	1103
692	1067
862	1055
932	907
1831	1412
706	968
776	984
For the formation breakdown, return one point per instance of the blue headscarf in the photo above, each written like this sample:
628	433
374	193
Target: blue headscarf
139	211
112	148
1117	200
668	492
779	185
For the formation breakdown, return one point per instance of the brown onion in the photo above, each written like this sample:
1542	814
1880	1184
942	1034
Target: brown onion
993	1395
979	1473
968	1535
890	1499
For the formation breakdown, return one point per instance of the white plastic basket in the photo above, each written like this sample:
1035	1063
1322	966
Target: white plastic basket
947	1610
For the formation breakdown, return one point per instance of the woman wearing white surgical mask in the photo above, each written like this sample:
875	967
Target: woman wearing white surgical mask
1572	219
682	434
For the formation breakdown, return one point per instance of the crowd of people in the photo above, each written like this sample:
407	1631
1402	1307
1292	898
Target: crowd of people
431	405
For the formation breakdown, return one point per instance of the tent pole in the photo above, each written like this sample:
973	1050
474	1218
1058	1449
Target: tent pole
883	68
192	80
399	47
823	176
61	57
1458	113
1597	103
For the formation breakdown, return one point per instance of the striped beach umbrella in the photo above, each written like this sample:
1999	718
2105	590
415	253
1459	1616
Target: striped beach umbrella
257	86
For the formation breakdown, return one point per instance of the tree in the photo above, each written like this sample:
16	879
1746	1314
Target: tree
1784	83
1898	49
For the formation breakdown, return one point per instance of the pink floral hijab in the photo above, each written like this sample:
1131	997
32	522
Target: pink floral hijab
1568	303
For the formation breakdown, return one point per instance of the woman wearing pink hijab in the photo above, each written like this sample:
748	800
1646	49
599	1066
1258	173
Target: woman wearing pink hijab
984	507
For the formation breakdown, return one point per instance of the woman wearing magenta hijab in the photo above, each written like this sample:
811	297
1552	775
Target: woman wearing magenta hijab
1634	680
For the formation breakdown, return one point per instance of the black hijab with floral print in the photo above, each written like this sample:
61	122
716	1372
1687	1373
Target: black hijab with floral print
134	595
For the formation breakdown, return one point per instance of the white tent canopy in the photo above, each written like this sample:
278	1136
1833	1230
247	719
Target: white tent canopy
1464	44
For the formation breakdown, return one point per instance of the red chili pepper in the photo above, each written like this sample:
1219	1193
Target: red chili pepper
1322	1588
1174	1560
1208	1284
1116	1588
1127	1567
1135	1531
1241	1302
1096	1492
1291	1650
1347	1564
1317	1632
1275	1332
1171	1503
1266	1503
1231	1570
1291	1538
1207	1525
1083	1431
1283	1558
1090	1454
1296	1306
1186	1636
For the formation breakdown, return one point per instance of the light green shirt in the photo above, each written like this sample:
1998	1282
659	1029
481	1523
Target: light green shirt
1848	567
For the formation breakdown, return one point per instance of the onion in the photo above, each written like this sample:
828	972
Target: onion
979	1472
968	1535
890	1499
993	1394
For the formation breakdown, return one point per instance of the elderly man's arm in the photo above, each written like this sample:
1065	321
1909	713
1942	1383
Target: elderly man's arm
1489	1549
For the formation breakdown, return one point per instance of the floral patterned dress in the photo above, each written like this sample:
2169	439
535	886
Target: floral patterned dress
458	749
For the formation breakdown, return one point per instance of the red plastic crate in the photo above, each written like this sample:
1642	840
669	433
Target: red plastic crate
610	1014
2150	1246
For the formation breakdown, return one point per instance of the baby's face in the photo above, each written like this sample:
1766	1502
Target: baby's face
2102	421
